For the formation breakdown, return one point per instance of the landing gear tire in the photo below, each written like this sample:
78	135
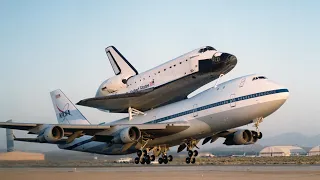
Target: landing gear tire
190	153
188	160
152	157
165	158
139	153
143	161
195	153
147	158
148	161
259	135
136	160
170	158
160	160
145	153
193	160
165	161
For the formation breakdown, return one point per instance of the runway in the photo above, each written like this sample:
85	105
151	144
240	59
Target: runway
165	172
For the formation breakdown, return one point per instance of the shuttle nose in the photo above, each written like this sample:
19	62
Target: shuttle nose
229	59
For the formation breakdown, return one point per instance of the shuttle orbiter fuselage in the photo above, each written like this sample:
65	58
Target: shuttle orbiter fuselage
170	82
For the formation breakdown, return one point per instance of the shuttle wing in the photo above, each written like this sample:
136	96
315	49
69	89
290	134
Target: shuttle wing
118	102
152	130
146	99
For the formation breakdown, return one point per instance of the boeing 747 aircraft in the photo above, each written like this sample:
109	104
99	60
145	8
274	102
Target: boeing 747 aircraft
209	115
175	80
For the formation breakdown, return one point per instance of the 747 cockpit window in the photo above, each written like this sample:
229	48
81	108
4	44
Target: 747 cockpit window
208	48
259	77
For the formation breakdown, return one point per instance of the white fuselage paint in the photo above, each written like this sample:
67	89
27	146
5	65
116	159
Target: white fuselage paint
231	104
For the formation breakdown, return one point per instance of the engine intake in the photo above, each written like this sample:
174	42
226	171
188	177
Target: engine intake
255	137
51	134
127	135
240	137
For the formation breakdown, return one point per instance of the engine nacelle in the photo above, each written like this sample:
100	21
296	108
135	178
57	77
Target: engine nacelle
255	137
239	137
127	135
112	85
51	134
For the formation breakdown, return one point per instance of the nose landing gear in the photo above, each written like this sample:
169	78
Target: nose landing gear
256	124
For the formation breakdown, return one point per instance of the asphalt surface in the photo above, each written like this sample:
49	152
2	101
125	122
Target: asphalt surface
165	172
167	168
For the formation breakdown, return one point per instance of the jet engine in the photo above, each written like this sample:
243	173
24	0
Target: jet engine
127	135
240	137
255	137
112	85
51	134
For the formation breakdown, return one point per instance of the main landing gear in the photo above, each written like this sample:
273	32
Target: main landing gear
190	144
191	156
145	158
165	159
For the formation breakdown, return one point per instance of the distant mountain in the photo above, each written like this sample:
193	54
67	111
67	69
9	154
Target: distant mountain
297	139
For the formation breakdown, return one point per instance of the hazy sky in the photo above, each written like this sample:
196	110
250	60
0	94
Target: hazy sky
60	44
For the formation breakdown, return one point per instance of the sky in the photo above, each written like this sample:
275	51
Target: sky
46	45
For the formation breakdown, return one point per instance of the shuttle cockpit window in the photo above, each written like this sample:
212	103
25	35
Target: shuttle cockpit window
208	48
259	77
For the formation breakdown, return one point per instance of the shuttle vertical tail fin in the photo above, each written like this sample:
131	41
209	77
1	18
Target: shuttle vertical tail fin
65	110
119	63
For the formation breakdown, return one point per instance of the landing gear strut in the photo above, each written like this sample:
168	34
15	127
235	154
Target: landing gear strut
256	124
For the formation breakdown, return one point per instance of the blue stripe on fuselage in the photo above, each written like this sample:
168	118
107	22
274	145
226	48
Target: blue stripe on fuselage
241	98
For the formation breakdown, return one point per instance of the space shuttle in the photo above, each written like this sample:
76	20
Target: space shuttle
170	82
